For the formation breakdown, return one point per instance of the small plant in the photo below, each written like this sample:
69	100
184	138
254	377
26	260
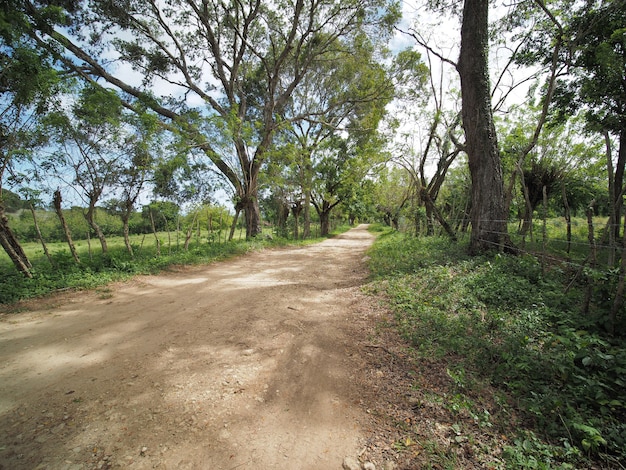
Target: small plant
530	452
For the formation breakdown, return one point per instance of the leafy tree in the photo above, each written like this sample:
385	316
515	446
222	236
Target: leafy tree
420	152
12	201
591	60
341	169
456	195
563	158
597	35
135	167
88	137
239	61
164	213
27	81
394	190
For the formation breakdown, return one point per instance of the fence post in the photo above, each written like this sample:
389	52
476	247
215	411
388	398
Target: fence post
592	257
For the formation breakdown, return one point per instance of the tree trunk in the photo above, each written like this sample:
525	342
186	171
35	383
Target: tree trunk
430	203
612	198
41	240
592	257
233	226
248	197
306	228
395	222
430	228
544	231
12	246
56	201
126	228
252	213
296	210
618	302
89	216
156	236
189	232
619	181
324	223
488	217
568	218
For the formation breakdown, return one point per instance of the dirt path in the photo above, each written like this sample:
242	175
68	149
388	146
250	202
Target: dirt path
244	364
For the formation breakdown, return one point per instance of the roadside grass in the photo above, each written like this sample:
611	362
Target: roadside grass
527	381
96	269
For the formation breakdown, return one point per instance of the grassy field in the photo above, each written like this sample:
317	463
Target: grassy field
96	269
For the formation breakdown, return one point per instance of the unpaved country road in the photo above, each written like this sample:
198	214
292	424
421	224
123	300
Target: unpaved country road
243	364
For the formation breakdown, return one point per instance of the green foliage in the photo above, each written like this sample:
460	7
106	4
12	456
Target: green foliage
504	321
164	214
401	254
530	452
51	231
12	201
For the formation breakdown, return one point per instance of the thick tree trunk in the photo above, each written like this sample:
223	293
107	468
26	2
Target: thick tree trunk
126	229
12	246
612	215
249	203
324	223
395	222
430	228
56	201
488	217
324	209
618	302
252	214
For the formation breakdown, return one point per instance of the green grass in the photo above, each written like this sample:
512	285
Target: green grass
97	269
505	321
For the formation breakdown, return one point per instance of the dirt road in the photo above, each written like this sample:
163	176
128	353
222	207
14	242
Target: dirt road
243	364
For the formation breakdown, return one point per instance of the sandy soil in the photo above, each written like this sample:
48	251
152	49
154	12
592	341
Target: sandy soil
252	363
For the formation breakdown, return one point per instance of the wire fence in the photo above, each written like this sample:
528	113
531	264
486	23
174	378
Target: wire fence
547	240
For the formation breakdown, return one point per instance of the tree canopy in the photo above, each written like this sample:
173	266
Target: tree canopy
208	67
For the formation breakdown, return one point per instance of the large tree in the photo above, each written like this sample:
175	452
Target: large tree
488	211
597	52
27	82
201	64
419	152
90	144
